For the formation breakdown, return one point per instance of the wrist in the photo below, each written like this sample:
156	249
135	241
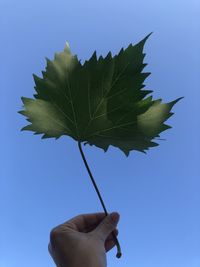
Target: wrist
84	261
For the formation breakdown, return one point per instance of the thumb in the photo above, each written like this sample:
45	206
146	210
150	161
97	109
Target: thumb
107	225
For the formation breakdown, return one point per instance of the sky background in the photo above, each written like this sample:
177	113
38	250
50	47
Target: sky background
44	182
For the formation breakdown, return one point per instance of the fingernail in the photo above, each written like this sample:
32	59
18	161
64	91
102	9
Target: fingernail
115	217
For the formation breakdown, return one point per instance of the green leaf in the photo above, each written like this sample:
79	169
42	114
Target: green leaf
101	102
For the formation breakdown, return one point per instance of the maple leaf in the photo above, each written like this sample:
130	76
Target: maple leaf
101	102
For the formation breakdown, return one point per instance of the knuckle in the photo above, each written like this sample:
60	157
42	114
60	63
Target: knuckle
97	237
54	234
108	224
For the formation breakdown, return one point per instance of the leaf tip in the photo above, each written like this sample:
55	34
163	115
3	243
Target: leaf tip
67	47
67	44
143	41
94	56
109	55
178	99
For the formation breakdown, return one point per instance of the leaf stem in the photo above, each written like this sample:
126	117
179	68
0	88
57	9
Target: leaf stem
100	198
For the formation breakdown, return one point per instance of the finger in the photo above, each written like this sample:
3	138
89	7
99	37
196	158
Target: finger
107	225
85	221
110	237
52	254
109	245
110	242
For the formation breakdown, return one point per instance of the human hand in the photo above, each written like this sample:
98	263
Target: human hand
83	240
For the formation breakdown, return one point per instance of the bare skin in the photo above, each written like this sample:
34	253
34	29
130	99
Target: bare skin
83	240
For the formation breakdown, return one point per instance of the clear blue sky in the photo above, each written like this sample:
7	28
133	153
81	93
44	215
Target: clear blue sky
44	182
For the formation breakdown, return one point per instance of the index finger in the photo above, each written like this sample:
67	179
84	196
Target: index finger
84	221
